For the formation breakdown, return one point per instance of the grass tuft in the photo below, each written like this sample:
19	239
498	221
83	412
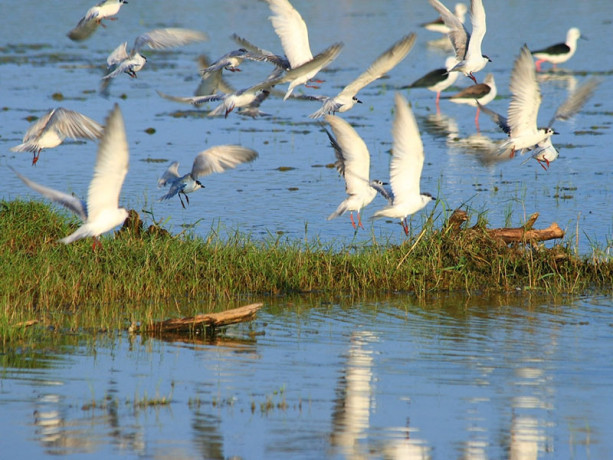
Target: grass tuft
143	276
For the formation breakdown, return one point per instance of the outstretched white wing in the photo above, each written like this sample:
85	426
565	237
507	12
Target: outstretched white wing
111	167
220	158
477	18
407	154
458	35
68	201
168	38
353	158
383	64
292	31
525	95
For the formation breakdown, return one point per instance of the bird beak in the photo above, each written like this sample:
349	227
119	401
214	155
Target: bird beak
358	101
555	132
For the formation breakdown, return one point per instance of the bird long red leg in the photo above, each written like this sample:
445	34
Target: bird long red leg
546	161
477	118
35	159
538	64
405	226
438	98
96	244
472	77
352	221
360	221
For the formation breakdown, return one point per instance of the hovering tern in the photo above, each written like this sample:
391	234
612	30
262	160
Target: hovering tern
294	36
353	163
214	160
437	80
346	99
101	212
88	24
131	63
212	82
466	46
230	61
405	167
438	25
243	99
560	52
544	152
56	125
524	107
477	95
279	61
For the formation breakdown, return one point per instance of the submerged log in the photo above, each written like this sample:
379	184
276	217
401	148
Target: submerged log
210	320
508	235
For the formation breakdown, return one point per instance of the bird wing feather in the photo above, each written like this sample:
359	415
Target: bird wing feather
111	166
292	31
352	156
408	153
221	158
525	95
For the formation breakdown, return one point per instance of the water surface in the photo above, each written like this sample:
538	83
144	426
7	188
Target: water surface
288	190
500	377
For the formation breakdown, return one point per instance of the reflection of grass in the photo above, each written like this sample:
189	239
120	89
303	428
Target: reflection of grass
147	276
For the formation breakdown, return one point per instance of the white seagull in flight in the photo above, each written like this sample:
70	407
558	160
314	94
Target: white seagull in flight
466	46
122	61
405	167
294	36
346	99
353	163
214	160
101	213
56	125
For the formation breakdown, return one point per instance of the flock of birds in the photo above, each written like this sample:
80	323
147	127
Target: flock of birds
298	66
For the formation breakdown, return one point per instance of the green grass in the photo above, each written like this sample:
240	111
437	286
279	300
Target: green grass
146	276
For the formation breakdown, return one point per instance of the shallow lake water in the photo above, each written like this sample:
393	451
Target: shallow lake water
451	377
498	377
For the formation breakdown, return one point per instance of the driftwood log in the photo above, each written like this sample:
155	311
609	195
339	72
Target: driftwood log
208	320
523	234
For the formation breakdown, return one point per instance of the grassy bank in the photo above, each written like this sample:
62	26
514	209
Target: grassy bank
145	276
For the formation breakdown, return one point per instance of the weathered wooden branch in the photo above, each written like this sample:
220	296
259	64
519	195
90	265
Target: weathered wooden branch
508	235
516	235
211	320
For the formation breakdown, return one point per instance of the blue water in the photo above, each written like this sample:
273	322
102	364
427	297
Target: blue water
261	199
453	377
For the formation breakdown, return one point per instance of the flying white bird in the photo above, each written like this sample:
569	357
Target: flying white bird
544	152
51	129
265	55
214	160
467	47
346	99
294	36
405	167
524	107
246	100
122	61
230	61
353	163
101	212
88	24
